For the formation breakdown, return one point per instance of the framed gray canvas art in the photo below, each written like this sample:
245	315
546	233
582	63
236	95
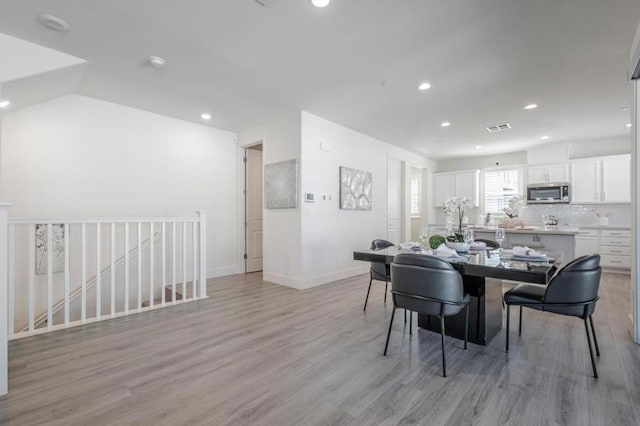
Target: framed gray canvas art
356	191
281	185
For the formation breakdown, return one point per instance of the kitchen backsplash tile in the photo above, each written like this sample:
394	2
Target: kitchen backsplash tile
567	214
578	215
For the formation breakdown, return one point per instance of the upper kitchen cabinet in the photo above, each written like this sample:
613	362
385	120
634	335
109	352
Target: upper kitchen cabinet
548	173
616	179
458	184
601	180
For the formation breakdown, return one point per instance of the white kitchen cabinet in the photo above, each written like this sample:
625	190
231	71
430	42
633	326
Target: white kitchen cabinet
585	182
443	188
459	184
548	173
601	180
587	242
616	179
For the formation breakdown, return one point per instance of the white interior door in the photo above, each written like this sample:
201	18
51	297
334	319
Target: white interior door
254	210
395	201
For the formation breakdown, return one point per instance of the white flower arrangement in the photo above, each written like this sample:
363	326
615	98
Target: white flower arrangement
513	210
454	208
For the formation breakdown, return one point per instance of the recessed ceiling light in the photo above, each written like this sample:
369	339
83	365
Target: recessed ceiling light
629	124
4	104
445	124
320	3
479	147
53	22
531	106
157	62
544	138
205	116
424	86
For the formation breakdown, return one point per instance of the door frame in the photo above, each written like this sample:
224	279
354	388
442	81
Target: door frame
405	206
244	221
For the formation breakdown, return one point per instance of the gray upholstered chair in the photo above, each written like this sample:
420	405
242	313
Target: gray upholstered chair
430	286
379	271
490	243
572	291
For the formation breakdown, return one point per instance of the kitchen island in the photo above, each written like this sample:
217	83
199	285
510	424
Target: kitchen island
547	239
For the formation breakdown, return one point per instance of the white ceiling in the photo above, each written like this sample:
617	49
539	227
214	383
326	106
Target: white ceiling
249	64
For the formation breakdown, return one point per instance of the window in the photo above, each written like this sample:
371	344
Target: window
500	186
415	195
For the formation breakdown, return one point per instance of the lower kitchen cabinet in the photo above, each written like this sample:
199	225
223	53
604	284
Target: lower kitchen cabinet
613	245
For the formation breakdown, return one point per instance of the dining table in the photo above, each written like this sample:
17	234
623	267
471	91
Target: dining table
483	273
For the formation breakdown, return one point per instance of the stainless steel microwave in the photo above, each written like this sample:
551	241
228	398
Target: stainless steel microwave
548	193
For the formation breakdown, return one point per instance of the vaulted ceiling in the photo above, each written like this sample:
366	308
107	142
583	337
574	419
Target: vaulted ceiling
358	63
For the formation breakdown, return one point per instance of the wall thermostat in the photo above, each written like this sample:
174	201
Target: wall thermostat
309	197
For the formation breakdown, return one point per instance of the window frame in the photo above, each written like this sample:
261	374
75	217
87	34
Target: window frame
520	168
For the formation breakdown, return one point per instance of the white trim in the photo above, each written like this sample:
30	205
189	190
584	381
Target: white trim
635	222
318	280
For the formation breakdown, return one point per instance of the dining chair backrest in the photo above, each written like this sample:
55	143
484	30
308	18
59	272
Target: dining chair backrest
577	282
380	271
490	243
426	277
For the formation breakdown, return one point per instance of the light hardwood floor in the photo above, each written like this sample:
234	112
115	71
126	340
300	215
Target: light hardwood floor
261	354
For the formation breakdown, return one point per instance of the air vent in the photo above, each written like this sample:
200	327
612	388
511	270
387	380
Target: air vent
498	128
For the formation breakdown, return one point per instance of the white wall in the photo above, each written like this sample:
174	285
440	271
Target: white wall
479	162
329	234
281	227
21	59
81	157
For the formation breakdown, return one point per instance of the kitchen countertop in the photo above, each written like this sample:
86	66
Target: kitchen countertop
560	230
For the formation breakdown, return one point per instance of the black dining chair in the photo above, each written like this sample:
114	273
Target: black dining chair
379	271
430	286
572	291
490	243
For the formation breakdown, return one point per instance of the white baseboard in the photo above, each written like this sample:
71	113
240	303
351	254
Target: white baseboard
318	280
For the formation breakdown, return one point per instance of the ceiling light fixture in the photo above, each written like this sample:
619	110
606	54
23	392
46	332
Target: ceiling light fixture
53	22
424	86
531	106
479	147
157	62
4	104
320	3
445	124
629	124
544	138
205	116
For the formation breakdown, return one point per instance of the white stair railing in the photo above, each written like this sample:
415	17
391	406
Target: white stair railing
49	261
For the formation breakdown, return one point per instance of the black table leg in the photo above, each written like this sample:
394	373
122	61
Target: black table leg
485	312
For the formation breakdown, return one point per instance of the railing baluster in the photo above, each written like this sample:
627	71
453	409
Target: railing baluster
113	269
11	277
139	265
67	274
184	261
194	249
83	274
173	262
126	267
49	276
164	264
98	271
151	271
203	254
32	275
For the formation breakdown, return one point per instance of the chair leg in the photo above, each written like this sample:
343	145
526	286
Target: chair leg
593	332
367	298
593	360
410	323
386	345
386	284
444	360
520	322
405	316
507	330
466	327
